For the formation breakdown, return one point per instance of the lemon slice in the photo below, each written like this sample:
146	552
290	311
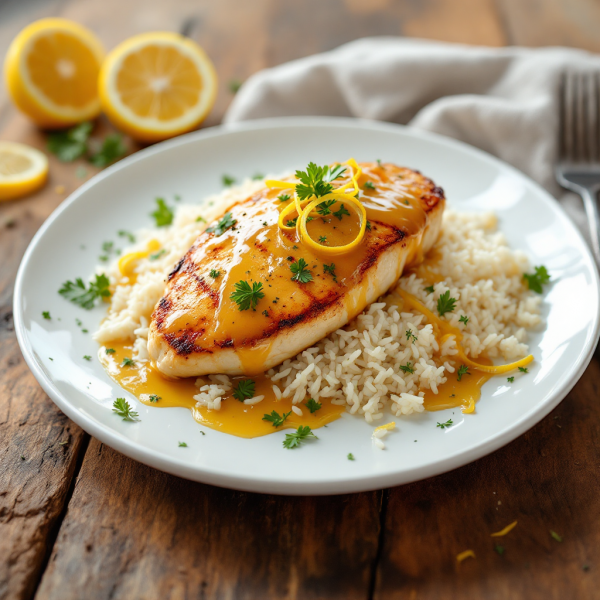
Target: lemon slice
22	170
157	85
51	72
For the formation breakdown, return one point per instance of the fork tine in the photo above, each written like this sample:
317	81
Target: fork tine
580	118
566	118
592	116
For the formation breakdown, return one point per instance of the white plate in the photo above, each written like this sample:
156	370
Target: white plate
122	198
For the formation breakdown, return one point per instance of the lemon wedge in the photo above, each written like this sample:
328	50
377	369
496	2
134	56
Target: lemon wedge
157	85
22	170
51	72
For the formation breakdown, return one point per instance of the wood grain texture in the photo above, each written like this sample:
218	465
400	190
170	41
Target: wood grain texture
547	480
133	532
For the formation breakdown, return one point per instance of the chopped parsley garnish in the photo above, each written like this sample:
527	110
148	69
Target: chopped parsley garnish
234	86
223	225
110	351
331	270
316	181
510	379
46	315
245	296
464	319
524	369
538	279
341	212
350	456
122	408
322	239
499	549
369	185
293	440
214	273
462	370
555	536
128	362
87	357
410	336
323	208
228	180
291	222
265	313
445	304
183	445
154	398
157	255
70	144
112	148
244	390
77	293
258	176
407	368
368	225
312	405
276	419
429	289
283	197
163	215
300	271
448	423
200	219
126	234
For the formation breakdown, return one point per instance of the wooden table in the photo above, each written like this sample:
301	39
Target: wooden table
78	520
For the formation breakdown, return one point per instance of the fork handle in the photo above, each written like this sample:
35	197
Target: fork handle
589	196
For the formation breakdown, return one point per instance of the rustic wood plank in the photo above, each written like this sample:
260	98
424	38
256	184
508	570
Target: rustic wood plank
133	532
552	23
35	468
548	480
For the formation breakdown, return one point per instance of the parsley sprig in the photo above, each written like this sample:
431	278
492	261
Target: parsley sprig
448	423
316	181
341	212
407	368
462	370
313	406
163	215
223	225
112	148
300	271
276	419
245	296
76	291
331	270
123	409
536	280
445	304
244	390
294	440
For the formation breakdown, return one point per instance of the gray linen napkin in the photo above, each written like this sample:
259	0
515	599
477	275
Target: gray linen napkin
504	101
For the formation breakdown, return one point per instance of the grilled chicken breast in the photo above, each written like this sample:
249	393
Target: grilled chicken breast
198	329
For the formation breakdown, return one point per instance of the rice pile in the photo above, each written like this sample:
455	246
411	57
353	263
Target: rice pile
359	366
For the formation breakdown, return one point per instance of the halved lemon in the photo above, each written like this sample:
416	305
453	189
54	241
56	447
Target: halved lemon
22	170
157	85
51	72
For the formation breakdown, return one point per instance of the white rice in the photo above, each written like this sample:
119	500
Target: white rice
359	366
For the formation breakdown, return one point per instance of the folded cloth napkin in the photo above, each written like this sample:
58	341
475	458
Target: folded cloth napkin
504	101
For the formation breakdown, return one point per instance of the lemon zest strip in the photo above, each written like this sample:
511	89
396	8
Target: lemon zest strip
466	554
305	207
391	425
128	262
440	325
504	531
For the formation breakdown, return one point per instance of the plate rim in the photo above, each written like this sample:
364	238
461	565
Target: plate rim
213	476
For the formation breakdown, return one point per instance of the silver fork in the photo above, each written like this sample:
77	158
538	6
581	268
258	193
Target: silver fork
578	169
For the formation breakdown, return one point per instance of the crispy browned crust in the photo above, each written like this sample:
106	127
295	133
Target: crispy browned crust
183	342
